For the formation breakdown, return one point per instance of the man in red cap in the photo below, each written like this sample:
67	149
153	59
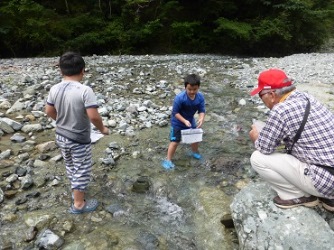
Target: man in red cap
304	173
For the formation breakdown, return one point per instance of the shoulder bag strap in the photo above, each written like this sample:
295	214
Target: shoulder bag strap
301	127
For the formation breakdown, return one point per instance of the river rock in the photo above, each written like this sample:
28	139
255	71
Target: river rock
49	240
4	126
1	195
46	146
14	124
262	225
32	128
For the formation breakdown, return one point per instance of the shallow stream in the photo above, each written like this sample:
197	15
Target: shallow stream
144	206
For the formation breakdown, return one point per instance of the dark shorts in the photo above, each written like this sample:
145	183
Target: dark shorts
175	134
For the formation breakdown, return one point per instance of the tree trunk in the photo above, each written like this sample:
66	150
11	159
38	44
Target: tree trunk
67	8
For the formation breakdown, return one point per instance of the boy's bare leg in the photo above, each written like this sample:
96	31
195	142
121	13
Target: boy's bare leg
79	198
194	147
171	150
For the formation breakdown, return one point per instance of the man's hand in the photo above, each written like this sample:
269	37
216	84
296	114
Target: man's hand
253	134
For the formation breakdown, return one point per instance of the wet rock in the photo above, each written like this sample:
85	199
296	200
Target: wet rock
6	163
48	240
136	154
148	241
39	181
75	246
26	182
10	217
68	226
115	209
212	208
33	194
1	196
30	234
6	174
9	194
21	201
6	244
108	161
38	219
141	185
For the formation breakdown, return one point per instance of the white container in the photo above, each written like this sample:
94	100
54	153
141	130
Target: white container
191	135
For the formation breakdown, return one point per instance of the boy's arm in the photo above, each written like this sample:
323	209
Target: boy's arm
96	119
200	119
51	111
181	119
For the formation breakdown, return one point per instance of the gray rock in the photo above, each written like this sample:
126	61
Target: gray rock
17	106
46	146
14	124
49	240
17	137
26	181
5	154
262	225
1	196
5	104
32	128
4	126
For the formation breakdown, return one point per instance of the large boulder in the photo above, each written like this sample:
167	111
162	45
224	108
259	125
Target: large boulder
262	225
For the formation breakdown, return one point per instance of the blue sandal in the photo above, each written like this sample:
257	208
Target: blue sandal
90	206
197	156
166	164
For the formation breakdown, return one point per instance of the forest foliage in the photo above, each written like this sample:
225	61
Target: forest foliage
30	28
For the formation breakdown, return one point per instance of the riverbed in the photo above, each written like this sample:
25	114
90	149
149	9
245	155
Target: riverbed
142	206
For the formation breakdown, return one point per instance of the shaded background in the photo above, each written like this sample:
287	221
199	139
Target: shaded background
111	27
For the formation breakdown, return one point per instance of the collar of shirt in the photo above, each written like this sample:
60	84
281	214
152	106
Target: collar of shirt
285	96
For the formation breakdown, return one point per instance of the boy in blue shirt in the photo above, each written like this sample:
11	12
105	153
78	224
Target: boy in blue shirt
185	105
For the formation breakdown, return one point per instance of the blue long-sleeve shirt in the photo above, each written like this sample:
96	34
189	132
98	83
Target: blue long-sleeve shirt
187	108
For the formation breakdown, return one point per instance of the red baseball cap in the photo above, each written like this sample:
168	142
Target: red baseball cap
272	79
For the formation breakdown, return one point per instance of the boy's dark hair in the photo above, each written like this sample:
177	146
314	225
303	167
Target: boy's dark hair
71	63
192	79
